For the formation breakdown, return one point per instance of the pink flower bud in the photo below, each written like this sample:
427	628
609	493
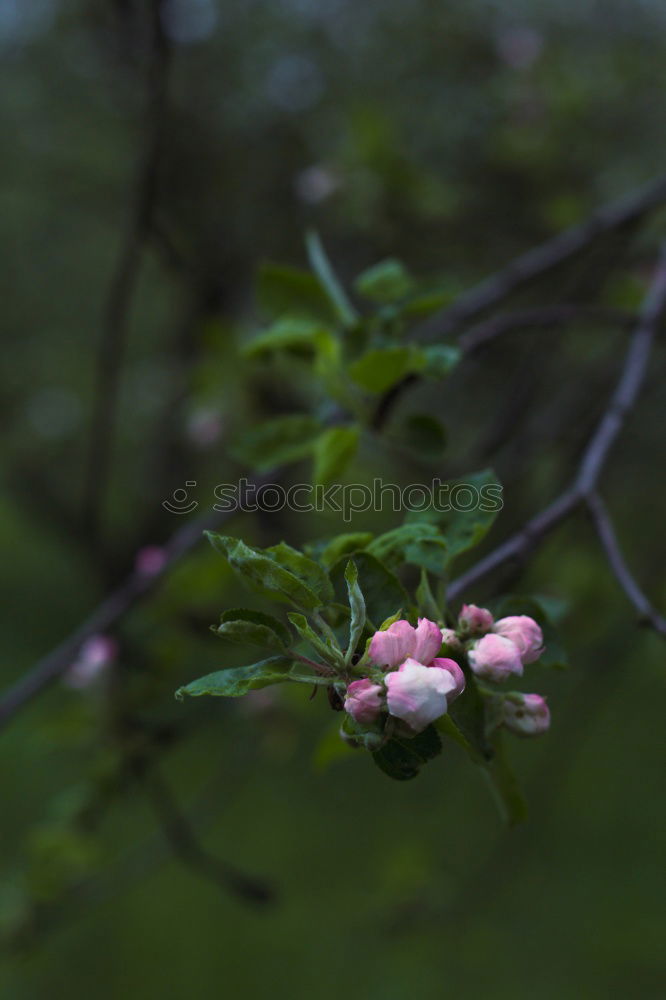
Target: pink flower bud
524	632
526	714
150	560
391	647
428	642
495	657
96	654
444	663
418	694
400	640
451	639
363	701
473	620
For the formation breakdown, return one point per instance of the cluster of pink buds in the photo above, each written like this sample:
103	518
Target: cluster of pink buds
417	685
496	650
408	679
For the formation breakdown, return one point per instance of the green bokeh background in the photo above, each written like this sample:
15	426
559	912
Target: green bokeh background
452	136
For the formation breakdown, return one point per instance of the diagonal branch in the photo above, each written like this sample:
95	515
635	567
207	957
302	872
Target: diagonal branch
110	611
540	316
542	259
606	532
595	454
184	843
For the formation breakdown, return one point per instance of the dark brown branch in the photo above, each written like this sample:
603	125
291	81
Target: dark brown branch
604	528
107	614
541	316
519	544
123	281
598	448
542	259
184	843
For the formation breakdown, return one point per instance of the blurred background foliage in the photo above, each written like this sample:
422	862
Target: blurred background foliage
453	136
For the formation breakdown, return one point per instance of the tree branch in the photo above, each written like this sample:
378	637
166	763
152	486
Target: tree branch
594	458
184	843
604	528
541	316
123	281
543	258
108	613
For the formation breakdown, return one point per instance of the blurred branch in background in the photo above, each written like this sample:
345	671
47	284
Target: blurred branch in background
542	259
137	586
117	310
185	845
595	455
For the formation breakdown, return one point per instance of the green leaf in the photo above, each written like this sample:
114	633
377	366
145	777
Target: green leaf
382	367
325	649
239	680
357	605
321	265
263	573
402	758
391	620
282	289
277	442
296	335
504	784
447	726
423	434
343	545
379	369
425	599
253	627
463	528
418	544
381	589
426	303
333	451
307	570
468	715
260	618
440	359
385	282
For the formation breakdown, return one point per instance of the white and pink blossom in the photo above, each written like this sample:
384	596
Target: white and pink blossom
495	657
524	632
418	694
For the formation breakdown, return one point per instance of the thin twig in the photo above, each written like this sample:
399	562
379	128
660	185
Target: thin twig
184	843
604	528
518	545
124	280
540	316
597	450
108	613
542	259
